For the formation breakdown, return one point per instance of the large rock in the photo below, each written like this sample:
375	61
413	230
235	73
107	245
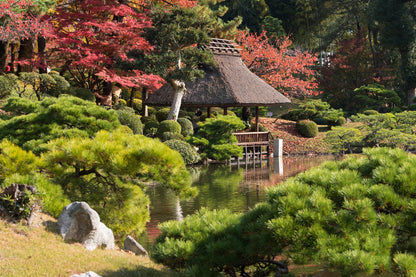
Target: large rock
130	244
79	222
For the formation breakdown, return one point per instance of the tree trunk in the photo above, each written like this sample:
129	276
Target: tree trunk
179	91
41	51
4	45
145	95
26	53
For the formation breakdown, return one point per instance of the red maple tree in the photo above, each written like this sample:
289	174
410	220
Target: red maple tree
18	24
352	66
290	71
89	36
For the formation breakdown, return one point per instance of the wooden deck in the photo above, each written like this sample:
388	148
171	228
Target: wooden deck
255	145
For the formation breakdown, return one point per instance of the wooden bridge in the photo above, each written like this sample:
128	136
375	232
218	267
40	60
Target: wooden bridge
255	145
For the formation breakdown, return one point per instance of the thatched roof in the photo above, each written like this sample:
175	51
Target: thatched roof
231	84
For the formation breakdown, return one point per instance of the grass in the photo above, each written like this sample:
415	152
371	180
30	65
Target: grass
39	251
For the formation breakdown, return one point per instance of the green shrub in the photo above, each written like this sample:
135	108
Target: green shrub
298	114
307	128
137	105
110	171
341	121
187	129
307	109
9	85
145	119
343	139
320	121
51	197
353	216
370	112
215	137
124	108
412	107
162	114
82	93
122	102
170	135
65	116
130	120
188	153
21	206
22	167
168	126
150	128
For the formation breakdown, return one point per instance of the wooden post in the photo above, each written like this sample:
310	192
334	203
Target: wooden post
225	111
257	118
209	112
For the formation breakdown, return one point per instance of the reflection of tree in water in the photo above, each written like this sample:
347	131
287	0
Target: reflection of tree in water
222	187
218	188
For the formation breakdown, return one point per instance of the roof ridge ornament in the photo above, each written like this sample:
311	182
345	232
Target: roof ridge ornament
221	46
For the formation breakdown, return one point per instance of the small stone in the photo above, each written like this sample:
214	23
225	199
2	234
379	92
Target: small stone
130	244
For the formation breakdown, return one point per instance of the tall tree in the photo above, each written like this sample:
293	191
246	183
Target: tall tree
396	22
91	35
349	68
177	33
287	70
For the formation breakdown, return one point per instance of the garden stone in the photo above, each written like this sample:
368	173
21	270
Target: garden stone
130	244
87	274
79	222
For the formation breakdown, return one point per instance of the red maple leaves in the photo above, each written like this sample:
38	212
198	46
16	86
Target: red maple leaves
92	35
16	23
288	70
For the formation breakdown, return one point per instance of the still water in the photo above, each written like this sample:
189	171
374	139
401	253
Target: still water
235	187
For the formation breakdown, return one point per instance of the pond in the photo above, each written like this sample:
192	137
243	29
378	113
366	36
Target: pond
235	187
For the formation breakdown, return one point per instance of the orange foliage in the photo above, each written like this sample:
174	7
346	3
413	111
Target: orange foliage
289	71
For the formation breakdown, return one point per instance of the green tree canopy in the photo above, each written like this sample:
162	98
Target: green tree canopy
354	215
32	124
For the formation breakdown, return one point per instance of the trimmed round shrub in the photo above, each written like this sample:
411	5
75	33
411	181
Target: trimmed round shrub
336	122
341	121
137	104
320	121
189	154
83	93
170	135
130	120
169	126
162	114
307	128
122	102
370	112
150	118
150	128
186	125
124	108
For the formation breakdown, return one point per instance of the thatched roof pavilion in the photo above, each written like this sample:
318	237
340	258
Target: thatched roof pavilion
230	84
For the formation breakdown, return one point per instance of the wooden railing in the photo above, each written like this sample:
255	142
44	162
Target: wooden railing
252	138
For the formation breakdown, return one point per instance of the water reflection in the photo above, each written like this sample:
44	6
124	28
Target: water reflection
235	187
